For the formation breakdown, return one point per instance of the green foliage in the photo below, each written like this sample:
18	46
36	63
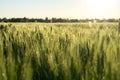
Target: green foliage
59	51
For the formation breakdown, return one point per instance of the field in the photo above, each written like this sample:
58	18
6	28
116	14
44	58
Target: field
59	51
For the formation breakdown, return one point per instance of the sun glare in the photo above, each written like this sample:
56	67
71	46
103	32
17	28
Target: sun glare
100	8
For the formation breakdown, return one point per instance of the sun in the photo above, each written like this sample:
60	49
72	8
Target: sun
100	8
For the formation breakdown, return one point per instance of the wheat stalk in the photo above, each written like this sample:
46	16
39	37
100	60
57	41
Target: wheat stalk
118	37
118	30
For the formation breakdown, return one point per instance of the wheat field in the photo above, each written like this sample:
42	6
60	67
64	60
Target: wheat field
59	51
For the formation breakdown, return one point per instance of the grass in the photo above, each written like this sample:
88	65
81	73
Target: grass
59	51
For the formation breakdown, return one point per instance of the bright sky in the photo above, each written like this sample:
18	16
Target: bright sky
60	8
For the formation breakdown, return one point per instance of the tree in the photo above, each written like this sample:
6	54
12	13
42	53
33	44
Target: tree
0	20
5	19
46	19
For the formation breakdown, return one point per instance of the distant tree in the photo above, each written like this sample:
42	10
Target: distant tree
31	20
54	20
15	20
74	20
5	19
111	20
0	20
24	19
60	20
41	20
46	19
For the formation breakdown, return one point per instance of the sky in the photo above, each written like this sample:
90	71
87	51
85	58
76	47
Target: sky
80	9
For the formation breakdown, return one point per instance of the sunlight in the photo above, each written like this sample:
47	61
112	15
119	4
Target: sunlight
100	8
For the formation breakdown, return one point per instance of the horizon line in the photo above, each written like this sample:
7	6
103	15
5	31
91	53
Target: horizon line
57	18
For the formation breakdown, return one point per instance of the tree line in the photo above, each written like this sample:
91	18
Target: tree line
50	20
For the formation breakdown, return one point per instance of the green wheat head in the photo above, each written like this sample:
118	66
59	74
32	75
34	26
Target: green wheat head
119	26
